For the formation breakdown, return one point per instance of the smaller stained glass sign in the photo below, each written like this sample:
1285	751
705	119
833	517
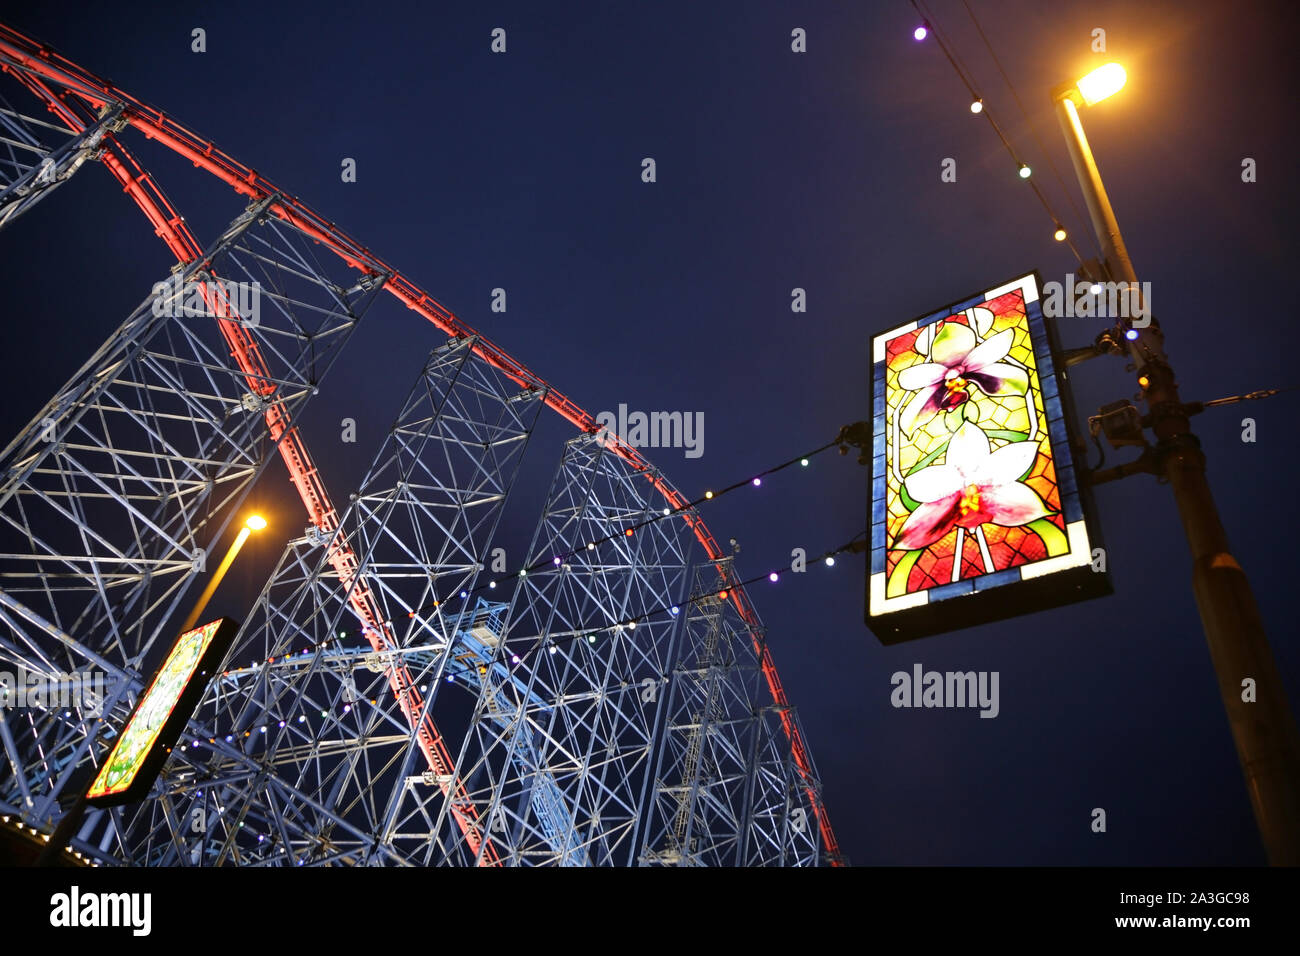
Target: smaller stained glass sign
976	511
164	709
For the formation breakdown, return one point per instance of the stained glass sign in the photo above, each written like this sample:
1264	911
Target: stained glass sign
164	709
976	511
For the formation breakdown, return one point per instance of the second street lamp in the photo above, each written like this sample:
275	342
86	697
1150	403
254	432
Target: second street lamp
1263	728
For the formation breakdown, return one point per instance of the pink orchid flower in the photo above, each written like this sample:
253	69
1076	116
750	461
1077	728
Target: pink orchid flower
958	365
972	487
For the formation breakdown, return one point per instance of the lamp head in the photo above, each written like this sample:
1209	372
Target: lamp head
1102	82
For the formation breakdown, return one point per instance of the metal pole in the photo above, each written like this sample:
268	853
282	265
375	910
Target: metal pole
52	853
1268	743
216	579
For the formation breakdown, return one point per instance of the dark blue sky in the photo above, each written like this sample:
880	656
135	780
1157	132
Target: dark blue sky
775	170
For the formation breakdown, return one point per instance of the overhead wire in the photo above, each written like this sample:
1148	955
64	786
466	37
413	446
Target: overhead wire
720	593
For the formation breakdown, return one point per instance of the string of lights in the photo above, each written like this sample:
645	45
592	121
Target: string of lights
929	26
39	837
720	594
589	633
631	529
1033	126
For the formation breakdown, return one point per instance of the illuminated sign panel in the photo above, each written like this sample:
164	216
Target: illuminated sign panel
164	709
976	513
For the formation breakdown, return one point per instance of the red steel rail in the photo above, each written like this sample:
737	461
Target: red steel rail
33	63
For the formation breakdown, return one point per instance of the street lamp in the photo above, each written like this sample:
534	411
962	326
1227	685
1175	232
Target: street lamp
1268	743
254	523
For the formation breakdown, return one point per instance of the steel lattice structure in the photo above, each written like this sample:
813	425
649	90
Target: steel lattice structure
375	708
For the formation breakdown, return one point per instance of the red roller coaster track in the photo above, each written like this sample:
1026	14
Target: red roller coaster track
37	67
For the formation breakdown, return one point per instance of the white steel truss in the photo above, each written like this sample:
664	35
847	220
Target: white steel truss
114	495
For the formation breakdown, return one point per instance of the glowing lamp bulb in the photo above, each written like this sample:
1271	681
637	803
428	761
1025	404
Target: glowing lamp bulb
977	106
708	494
803	462
255	523
757	482
1025	171
1131	334
1102	82
772	577
920	33
1143	381
830	562
1059	235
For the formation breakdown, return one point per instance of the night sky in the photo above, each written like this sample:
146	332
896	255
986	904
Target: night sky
775	170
